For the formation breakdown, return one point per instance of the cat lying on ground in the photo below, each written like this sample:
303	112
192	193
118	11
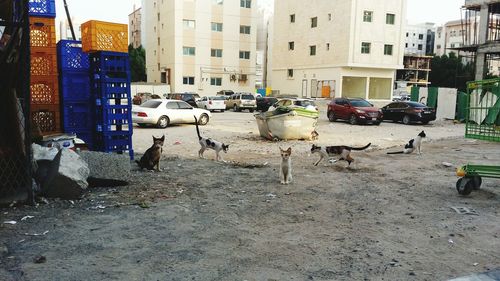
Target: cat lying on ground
343	151
207	143
151	158
412	145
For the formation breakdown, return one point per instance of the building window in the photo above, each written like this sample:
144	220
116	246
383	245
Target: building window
246	3
244	29
291	46
217	26
329	17
158	16
314	22
290	73
388	50
158	41
421	37
365	47
328	46
191	24
420	47
163	77
406	45
367	16
407	34
245	55
312	50
189	51
390	18
292	18
217	2
216	81
188	80
216	53
438	47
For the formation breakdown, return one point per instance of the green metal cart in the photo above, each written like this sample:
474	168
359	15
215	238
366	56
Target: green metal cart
483	123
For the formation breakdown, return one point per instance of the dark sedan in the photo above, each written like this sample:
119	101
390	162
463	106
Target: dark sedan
408	112
263	103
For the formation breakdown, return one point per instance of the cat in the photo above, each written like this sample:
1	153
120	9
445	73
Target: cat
412	145
210	144
151	158
286	166
342	150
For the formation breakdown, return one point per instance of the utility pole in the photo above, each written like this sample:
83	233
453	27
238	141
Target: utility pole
69	20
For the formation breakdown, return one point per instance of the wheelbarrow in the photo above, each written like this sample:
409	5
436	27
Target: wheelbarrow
471	177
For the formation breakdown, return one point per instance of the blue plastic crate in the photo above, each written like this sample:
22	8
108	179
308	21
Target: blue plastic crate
114	119
42	8
113	89
77	116
105	62
71	57
75	86
115	142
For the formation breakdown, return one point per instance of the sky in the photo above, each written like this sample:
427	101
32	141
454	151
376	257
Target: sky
436	11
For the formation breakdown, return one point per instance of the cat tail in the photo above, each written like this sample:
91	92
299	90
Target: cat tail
398	152
197	128
361	148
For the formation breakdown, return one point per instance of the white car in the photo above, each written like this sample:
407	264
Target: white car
212	103
163	112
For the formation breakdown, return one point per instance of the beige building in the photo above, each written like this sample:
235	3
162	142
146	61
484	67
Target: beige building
64	30
349	48
201	46
134	25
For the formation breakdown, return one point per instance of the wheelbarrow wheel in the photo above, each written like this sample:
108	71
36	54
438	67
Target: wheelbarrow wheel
465	186
477	181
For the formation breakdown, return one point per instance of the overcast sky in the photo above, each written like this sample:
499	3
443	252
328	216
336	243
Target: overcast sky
437	11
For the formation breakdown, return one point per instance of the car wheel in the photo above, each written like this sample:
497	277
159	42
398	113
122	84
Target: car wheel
251	110
142	125
377	123
203	120
425	122
235	108
163	122
331	116
222	110
406	120
353	120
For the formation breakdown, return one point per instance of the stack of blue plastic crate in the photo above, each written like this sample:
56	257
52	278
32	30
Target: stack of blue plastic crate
110	86
75	90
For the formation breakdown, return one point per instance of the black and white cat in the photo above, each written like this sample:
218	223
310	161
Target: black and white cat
207	143
412	145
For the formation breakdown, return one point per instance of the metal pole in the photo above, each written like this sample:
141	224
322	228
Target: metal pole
69	20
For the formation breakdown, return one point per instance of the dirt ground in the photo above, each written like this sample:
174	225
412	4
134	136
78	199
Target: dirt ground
386	218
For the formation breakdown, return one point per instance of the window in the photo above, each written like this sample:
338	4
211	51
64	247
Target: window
452	45
158	16
188	51
438	47
217	2
420	47
216	53
314	22
312	50
246	3
158	41
329	17
173	105
216	81
367	16
421	37
406	45
388	50
290	73
188	80
163	77
184	105
390	18
191	24
217	26
365	47
292	18
291	46
407	34
245	55
328	46
244	29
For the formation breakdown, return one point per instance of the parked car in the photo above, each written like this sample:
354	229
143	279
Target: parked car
305	103
409	111
212	103
263	103
354	110
164	112
225	93
190	98
241	101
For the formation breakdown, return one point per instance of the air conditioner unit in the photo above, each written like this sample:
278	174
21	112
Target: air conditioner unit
233	77
243	78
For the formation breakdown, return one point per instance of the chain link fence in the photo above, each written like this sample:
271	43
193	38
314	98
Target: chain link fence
15	135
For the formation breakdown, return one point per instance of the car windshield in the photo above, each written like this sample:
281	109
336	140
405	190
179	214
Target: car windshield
305	103
247	97
416	104
216	98
151	104
360	103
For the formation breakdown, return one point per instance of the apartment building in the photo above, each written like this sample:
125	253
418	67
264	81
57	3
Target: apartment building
419	39
64	30
342	48
134	25
448	37
201	46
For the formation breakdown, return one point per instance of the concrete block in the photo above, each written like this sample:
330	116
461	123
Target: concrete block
107	166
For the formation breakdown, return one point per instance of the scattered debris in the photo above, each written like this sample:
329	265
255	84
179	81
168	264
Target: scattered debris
448	165
98	207
177	143
451	241
144	205
10	222
26	218
465	211
272	196
37	234
40	259
475	264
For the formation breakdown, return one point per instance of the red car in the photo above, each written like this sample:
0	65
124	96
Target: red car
354	110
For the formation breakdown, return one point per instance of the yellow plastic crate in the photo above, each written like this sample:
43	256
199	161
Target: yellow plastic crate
104	36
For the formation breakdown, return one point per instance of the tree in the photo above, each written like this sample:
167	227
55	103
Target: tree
137	63
451	72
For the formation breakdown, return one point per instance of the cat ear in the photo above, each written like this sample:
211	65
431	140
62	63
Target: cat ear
281	149
289	150
163	138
